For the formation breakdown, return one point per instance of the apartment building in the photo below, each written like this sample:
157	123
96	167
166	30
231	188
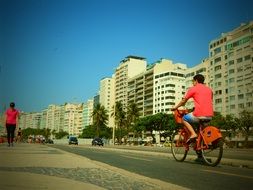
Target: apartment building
107	97
30	120
158	88
53	118
140	91
169	85
231	70
128	68
87	113
73	118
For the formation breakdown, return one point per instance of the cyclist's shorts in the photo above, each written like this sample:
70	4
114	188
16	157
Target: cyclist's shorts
190	118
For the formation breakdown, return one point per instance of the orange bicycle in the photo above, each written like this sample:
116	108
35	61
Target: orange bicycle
208	145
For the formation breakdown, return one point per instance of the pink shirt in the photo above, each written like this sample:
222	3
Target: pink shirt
203	100
11	116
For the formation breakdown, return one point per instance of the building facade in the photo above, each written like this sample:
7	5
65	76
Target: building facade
107	97
87	113
231	70
128	68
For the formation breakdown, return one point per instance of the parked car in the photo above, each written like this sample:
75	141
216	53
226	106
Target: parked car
49	141
73	140
97	141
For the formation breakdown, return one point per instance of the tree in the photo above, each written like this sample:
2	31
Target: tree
218	120
100	117
230	125
132	114
88	132
120	118
60	134
245	123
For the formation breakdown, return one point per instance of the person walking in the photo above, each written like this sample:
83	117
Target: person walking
12	116
19	135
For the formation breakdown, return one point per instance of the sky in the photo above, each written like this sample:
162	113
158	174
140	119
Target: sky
57	51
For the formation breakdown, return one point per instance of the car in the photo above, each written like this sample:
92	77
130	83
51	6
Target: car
73	140
97	141
49	141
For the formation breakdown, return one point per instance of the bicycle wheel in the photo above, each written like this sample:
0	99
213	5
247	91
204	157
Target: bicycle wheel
179	147
213	154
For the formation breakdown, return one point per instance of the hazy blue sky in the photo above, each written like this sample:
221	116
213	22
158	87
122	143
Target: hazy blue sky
56	51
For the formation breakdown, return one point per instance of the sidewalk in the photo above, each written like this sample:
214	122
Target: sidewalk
34	166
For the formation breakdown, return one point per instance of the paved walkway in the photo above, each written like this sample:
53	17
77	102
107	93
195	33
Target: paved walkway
34	166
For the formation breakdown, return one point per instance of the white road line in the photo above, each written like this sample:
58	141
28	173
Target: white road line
136	158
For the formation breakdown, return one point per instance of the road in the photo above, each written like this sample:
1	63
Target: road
187	174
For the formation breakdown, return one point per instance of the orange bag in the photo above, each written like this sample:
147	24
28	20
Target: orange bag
211	134
178	114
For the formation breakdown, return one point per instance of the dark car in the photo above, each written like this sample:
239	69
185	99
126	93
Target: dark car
49	141
97	141
73	140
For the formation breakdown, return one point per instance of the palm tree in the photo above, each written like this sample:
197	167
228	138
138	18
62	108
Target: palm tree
100	117
132	113
119	116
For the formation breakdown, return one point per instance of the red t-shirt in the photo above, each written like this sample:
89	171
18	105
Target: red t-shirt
203	100
11	116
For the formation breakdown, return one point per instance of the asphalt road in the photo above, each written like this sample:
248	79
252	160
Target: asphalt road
187	174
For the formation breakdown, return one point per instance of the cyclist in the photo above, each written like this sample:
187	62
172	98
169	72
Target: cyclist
203	107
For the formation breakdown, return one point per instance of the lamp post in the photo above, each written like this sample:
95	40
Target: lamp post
113	129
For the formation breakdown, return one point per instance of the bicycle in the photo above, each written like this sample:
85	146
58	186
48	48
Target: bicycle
208	144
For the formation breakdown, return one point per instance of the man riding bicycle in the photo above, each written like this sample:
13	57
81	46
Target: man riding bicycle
203	106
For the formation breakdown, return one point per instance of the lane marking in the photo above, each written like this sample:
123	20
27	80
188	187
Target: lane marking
225	173
136	158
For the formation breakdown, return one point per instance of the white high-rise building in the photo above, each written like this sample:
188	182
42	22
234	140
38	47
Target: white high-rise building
73	118
54	116
30	120
87	113
169	85
231	70
128	68
158	88
107	97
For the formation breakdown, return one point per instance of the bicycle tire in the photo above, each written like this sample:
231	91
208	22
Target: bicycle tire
213	154
179	147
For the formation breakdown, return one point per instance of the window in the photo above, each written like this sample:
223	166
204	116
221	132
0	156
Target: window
247	57
239	60
241	106
231	80
231	62
217	50
218	92
217	60
231	71
217	68
217	101
232	106
240	96
232	98
217	76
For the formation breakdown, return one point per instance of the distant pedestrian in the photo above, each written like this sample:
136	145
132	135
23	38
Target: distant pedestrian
12	116
19	135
